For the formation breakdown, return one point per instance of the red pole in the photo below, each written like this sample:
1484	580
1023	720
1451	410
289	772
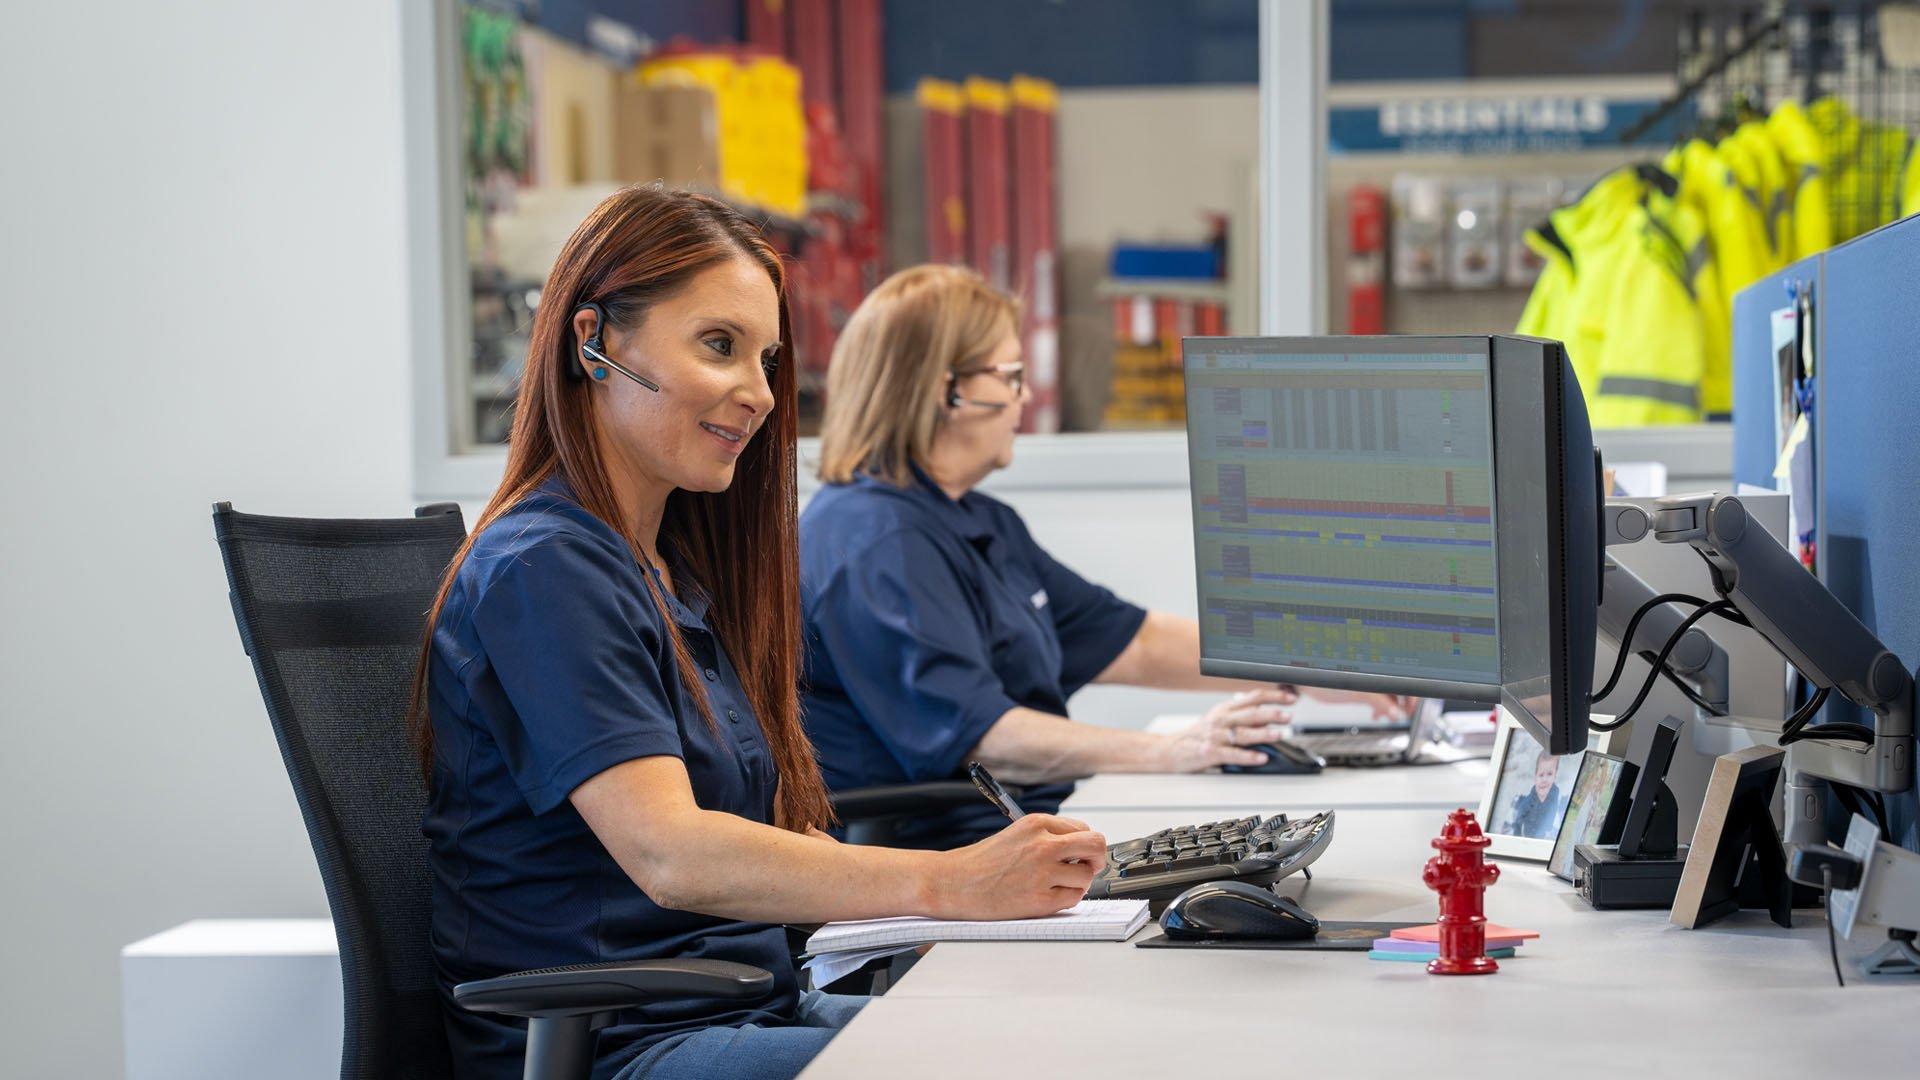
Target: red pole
1035	102
813	50
767	25
988	184
943	172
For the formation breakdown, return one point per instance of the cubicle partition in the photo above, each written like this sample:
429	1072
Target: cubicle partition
1867	395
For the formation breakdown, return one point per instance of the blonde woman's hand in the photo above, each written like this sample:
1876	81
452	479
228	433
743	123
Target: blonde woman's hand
1223	735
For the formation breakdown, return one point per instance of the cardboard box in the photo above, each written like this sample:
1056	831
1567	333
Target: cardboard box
669	133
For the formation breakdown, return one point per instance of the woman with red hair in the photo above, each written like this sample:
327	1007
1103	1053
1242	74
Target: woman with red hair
608	710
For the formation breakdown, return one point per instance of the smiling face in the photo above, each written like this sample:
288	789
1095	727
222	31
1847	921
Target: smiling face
708	347
1545	770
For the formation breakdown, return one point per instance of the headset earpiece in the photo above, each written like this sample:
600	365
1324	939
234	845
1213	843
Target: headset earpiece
596	350
593	348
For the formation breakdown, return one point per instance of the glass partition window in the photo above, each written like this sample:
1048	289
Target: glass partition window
1110	190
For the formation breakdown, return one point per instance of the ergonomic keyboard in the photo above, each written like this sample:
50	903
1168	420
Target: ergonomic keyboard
1254	849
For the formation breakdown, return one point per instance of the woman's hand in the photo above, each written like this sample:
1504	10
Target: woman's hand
1224	733
1035	866
1385	706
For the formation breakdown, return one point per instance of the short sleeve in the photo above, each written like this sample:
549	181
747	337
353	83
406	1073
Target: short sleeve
1094	625
900	630
574	640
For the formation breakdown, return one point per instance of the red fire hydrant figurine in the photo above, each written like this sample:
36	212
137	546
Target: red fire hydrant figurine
1461	874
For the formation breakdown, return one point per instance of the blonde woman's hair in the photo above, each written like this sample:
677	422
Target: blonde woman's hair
886	382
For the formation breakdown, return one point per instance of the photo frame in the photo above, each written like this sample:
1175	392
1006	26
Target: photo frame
1596	808
1520	827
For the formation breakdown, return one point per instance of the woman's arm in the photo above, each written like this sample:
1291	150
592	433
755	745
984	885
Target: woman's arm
1026	746
1165	654
721	864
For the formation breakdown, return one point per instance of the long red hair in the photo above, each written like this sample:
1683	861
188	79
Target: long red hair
740	546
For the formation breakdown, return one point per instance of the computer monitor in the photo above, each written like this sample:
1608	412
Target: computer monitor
1409	515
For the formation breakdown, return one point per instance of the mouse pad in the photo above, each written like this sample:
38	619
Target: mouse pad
1333	937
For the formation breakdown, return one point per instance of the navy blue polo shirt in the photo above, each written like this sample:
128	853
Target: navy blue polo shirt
926	620
550	664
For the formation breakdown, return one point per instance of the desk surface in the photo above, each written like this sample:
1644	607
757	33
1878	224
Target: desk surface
1714	1000
1429	786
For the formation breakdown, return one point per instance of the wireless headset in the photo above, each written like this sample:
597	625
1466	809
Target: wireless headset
594	349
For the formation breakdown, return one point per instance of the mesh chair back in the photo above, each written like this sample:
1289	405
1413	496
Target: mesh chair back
332	614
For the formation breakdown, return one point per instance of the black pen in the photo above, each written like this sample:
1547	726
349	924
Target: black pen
995	794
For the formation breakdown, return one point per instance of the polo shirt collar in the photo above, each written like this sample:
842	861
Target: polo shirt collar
964	515
690	612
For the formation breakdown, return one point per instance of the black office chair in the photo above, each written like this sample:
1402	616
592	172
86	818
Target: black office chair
332	614
872	815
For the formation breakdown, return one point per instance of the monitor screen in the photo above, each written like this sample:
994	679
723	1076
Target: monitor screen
1412	515
1344	509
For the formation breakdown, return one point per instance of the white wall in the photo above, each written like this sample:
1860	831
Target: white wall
1140	545
202	297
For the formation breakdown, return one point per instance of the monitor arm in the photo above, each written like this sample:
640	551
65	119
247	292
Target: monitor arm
1822	640
1697	660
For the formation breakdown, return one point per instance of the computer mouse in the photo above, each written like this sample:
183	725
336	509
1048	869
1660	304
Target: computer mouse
1236	909
1282	757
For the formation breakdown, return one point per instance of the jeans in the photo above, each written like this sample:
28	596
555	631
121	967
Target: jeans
748	1052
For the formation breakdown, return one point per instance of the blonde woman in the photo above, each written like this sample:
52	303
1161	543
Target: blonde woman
937	630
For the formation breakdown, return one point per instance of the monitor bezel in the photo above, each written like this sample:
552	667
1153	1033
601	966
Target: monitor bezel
1527	475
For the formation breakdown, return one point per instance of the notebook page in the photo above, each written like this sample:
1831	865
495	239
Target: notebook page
1089	920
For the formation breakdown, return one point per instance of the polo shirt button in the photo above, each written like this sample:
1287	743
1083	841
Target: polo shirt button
733	716
712	675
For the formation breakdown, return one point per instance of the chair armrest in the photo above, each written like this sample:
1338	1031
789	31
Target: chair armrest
582	989
898	800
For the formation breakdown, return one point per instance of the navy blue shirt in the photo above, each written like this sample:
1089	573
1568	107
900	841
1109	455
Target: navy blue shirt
550	664
926	620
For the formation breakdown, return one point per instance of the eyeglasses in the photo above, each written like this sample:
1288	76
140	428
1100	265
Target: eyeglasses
1014	374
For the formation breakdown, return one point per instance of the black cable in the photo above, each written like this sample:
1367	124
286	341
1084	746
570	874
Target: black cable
1833	946
1796	730
1633	624
1660	662
1791	729
1680	685
1858	733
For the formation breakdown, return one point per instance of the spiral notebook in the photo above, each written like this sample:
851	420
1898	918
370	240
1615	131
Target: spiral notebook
1088	920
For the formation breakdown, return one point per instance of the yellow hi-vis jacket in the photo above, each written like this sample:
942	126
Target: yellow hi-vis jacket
1736	255
1617	289
1910	186
1863	167
1775	186
1799	145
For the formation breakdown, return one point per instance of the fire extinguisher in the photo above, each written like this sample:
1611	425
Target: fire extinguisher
1366	260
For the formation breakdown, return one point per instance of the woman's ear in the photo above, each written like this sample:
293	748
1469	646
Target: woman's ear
586	326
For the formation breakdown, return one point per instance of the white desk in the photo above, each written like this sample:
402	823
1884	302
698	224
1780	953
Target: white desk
1442	787
233	997
1716	1002
1463	1029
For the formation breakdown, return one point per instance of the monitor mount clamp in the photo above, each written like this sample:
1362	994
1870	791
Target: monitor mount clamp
1822	640
1697	660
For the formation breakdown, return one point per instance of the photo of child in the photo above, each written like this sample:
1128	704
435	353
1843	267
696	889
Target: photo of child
1593	794
1532	793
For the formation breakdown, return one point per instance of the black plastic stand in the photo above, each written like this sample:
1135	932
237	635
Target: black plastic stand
1659	834
1751	856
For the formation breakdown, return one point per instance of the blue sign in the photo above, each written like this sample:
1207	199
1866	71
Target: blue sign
1493	125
